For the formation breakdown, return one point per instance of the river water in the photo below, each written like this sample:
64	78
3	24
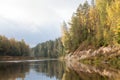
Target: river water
55	70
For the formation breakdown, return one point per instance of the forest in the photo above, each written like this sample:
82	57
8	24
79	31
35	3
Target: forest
49	49
11	47
93	26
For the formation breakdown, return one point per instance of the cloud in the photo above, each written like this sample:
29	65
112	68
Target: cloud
37	11
27	11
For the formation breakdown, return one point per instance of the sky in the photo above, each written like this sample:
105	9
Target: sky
35	21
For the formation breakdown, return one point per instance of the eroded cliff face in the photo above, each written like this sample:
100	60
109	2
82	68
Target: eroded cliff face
107	52
88	72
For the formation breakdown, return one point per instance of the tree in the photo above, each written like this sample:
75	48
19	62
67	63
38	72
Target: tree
50	49
11	47
79	28
113	11
66	38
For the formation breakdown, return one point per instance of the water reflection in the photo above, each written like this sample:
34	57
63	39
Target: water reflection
56	70
11	71
50	68
40	70
88	72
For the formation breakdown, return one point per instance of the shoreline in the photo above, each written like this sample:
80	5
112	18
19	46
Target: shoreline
14	58
25	58
102	55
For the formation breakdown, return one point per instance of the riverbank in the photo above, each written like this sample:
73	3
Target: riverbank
13	58
19	58
109	54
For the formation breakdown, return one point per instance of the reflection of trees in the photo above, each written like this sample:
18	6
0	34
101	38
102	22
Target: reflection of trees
70	75
86	72
51	68
11	71
73	71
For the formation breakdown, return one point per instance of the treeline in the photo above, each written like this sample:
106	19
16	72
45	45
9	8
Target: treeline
50	49
11	47
93	25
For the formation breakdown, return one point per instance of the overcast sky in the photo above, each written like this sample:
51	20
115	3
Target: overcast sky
35	21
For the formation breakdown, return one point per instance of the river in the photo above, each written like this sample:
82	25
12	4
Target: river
55	70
